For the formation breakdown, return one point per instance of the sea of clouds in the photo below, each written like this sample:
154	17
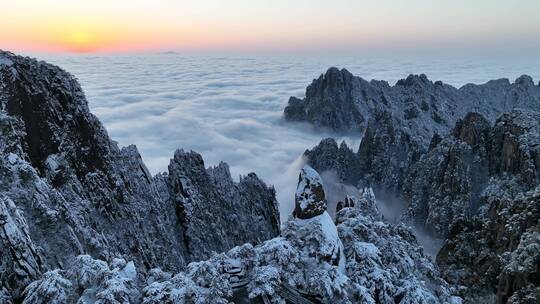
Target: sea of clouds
230	108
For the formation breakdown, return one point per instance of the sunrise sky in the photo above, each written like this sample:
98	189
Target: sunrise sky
273	25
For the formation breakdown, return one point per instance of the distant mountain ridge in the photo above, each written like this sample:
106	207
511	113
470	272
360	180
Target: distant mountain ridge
341	101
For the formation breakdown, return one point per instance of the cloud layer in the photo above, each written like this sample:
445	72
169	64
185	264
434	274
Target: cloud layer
230	108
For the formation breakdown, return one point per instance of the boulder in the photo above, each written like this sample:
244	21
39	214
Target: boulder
310	200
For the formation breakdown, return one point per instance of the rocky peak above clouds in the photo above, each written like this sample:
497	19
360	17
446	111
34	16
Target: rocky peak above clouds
452	180
462	163
310	200
340	101
359	259
67	189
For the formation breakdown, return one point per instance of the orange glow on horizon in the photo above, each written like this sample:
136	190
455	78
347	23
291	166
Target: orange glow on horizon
282	25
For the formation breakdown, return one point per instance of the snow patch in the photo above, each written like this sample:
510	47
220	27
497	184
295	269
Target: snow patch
5	61
129	271
367	250
13	158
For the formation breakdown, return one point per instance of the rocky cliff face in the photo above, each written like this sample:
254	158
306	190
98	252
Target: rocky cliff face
425	162
359	259
399	122
452	180
448	180
494	257
66	189
215	212
341	159
473	184
341	101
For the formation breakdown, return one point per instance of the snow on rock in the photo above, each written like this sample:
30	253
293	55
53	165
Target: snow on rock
318	237
313	228
216	212
464	162
342	101
385	263
67	189
516	283
5	61
494	256
365	201
20	256
361	260
86	281
424	141
52	288
449	180
310	200
454	179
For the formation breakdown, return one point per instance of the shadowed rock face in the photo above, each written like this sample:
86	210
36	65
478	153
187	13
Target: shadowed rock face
67	189
376	262
341	101
473	129
452	180
515	147
328	102
495	257
475	184
400	122
216	212
431	165
310	200
341	159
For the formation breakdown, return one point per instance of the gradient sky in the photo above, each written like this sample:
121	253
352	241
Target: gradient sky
273	25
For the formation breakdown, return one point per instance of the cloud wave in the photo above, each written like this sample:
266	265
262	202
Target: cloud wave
230	108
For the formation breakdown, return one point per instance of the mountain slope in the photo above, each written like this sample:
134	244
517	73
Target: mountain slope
342	101
66	188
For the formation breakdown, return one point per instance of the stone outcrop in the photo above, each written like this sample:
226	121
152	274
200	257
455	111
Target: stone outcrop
398	122
67	189
310	199
216	213
341	159
385	154
386	259
494	257
360	259
445	181
452	180
470	179
341	101
329	102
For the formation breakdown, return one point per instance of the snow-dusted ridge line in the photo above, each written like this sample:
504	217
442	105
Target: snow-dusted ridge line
67	189
342	101
468	180
359	260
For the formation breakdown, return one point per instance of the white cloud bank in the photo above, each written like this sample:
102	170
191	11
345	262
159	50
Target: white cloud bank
230	108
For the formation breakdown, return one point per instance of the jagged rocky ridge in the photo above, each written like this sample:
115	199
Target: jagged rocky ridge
67	189
450	181
478	187
495	256
341	101
472	184
396	150
454	178
399	122
360	259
